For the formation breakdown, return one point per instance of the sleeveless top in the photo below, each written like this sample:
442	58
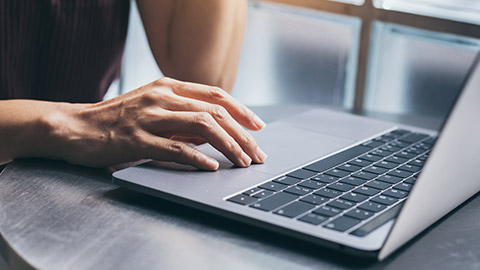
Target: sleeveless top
61	50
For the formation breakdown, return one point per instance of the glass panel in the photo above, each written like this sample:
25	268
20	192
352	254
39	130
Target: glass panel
416	72
459	10
294	55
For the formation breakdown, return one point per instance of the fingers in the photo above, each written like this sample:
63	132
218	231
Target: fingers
163	149
223	118
204	125
215	95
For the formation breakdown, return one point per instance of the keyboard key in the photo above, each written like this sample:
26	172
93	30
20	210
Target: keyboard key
341	204
367	191
405	154
410	168
364	175
404	186
325	178
349	167
337	173
379	152
342	223
400	173
375	170
273	186
413	137
386	164
301	174
430	141
287	180
399	144
314	199
417	162
262	194
360	162
378	184
327	211
311	184
359	214
382	199
374	144
340	186
410	180
242	199
372	206
313	218
395	159
251	191
353	181
390	148
370	157
414	150
395	193
337	159
326	192
354	197
389	179
384	139
274	201
297	190
294	209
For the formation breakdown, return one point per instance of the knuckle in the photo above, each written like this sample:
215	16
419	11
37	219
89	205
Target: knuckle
204	120
233	147
219	112
177	149
217	93
247	139
152	95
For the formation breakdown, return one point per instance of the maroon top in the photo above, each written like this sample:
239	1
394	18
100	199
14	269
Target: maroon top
61	50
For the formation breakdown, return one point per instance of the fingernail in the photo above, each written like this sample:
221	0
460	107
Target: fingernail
258	122
246	159
211	163
260	154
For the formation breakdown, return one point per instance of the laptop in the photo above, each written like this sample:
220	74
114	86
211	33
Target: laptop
343	181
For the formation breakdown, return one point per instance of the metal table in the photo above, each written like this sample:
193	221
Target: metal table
59	216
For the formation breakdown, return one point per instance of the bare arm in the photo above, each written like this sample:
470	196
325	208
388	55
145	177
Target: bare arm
141	124
196	40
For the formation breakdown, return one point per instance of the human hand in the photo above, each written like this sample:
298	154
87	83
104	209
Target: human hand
148	123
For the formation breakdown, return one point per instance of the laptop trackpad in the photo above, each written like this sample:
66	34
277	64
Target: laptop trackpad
287	147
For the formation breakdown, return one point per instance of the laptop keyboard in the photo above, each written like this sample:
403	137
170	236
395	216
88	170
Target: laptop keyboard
354	191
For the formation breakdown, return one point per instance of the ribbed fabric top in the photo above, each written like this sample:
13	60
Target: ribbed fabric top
61	50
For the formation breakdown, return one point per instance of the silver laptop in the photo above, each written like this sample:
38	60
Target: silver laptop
347	182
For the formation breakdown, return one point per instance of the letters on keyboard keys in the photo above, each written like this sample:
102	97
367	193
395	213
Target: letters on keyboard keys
298	190
311	184
273	186
354	197
242	199
287	180
389	179
325	178
327	211
341	204
359	214
382	199
372	206
328	193
368	191
395	193
314	199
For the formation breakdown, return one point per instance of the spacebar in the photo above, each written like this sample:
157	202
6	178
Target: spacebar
332	161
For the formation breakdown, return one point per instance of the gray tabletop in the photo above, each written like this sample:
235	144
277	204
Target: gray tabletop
58	216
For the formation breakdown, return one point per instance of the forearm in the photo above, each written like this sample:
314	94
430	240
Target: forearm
26	129
196	40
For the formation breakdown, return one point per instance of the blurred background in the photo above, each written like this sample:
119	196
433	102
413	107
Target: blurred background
416	56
